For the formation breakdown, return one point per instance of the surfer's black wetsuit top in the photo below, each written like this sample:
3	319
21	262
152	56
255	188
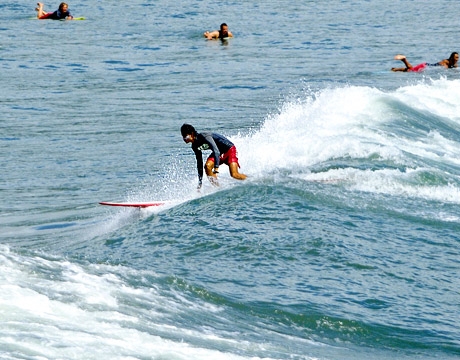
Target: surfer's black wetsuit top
217	143
223	34
58	15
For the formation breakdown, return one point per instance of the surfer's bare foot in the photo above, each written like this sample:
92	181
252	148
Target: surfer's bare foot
400	57
213	180
39	10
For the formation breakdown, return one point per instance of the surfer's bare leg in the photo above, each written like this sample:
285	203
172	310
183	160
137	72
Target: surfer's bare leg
235	173
212	176
39	10
406	63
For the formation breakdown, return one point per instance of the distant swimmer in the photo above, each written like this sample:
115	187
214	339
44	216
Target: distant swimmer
219	34
223	152
449	63
60	14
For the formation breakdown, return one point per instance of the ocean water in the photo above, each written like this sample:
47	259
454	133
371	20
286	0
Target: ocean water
343	243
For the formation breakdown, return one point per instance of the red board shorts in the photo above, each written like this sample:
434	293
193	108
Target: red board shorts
418	68
227	158
46	16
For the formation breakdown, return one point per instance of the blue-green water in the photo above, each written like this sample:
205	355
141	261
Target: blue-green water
343	242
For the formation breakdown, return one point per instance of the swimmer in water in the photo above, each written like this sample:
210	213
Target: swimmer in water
219	34
449	63
62	13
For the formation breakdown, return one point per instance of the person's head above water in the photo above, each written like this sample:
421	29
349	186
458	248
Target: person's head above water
223	30
63	7
453	59
188	132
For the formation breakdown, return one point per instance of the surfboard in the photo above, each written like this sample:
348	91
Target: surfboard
133	204
75	18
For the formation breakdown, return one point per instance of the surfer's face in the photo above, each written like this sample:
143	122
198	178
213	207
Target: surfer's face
189	138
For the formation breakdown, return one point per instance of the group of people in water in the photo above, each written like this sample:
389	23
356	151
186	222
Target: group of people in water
223	33
223	151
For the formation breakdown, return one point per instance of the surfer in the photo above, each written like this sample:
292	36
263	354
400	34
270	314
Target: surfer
223	152
449	63
62	13
219	34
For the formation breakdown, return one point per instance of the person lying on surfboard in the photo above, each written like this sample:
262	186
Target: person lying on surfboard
62	13
218	34
449	63
223	152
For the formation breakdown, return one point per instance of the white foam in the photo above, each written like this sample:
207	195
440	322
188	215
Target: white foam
388	181
51	308
440	97
355	123
334	123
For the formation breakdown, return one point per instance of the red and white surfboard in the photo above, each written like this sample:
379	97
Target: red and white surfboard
133	204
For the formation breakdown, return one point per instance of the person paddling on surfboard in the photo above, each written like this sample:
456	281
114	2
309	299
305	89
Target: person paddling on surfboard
449	63
223	152
219	34
62	13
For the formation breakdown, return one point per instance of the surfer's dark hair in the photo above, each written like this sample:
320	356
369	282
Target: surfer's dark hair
61	5
187	129
452	59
